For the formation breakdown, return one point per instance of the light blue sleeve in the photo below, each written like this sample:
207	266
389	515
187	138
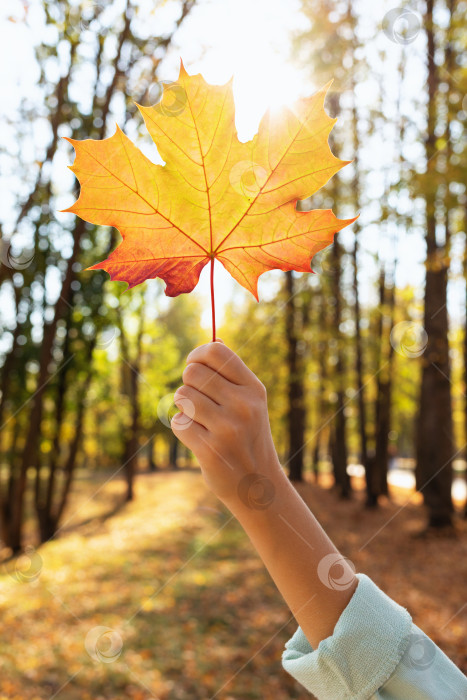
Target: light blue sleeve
374	653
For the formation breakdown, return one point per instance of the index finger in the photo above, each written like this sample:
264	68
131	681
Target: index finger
223	360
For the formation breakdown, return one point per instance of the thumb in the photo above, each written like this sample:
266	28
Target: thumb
218	340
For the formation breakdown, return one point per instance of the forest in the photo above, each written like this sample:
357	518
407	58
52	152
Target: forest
364	361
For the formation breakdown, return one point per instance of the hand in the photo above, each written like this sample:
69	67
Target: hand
224	422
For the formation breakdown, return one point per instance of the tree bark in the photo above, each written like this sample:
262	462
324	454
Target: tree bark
174	446
434	425
130	374
359	370
322	430
152	466
339	436
296	405
379	462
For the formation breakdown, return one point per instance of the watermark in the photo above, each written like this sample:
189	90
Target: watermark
409	339
15	259
336	572
27	566
103	644
167	97
106	337
419	651
402	25
167	409
256	491
247	178
322	263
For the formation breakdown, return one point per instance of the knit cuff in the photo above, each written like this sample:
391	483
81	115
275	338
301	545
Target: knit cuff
367	644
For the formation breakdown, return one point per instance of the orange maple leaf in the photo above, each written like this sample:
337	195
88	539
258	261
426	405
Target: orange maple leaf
215	197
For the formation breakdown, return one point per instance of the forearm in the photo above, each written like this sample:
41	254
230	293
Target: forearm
293	547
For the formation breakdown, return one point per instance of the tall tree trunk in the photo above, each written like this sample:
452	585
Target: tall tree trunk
45	487
296	405
359	361
359	370
434	425
338	441
131	373
384	393
339	436
322	431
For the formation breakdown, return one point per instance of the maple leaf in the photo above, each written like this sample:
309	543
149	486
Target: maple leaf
215	198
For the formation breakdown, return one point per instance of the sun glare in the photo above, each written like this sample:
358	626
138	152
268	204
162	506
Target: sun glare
251	42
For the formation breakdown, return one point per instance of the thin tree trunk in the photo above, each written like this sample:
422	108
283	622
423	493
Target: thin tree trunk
70	464
362	423
131	373
379	460
296	404
44	501
174	446
384	394
152	466
323	406
339	437
6	499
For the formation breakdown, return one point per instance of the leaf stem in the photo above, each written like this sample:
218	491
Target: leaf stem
213	307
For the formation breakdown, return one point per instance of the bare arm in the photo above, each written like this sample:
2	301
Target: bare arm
224	421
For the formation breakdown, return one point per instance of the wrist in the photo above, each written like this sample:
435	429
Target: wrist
258	494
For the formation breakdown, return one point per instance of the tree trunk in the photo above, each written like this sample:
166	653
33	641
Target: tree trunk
152	466
70	463
362	424
49	510
434	425
323	405
296	404
434	436
379	468
173	452
131	372
339	437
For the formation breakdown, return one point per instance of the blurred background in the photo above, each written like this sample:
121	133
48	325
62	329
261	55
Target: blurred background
105	523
